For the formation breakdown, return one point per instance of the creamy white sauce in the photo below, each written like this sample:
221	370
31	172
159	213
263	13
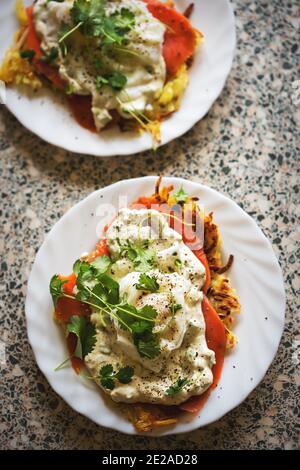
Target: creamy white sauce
143	65
184	352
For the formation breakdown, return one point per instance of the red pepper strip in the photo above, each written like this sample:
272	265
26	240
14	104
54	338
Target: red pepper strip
70	284
34	43
81	107
76	362
101	248
202	257
216	340
180	37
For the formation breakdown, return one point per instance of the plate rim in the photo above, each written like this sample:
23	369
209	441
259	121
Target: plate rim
68	213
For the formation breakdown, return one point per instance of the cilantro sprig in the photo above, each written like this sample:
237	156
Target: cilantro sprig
90	17
86	335
176	387
140	253
97	289
147	283
108	376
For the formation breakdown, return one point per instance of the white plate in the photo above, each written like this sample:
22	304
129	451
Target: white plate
255	274
46	114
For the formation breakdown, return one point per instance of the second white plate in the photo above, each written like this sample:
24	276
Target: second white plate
52	119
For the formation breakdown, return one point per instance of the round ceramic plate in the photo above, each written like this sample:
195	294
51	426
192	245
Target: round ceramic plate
52	119
255	274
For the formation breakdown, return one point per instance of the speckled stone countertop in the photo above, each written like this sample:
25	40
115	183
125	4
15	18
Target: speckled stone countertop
248	148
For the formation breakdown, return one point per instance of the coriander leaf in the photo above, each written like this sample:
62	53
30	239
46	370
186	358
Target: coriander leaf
108	376
86	335
148	312
178	262
111	288
89	15
108	383
147	344
101	264
56	290
141	326
69	90
50	56
124	375
176	387
62	35
147	283
140	254
27	54
174	308
100	81
181	196
115	80
123	20
76	266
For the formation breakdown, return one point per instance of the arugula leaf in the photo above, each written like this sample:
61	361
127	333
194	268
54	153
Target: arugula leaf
50	56
115	80
108	376
56	290
147	283
101	263
176	387
86	335
181	196
27	54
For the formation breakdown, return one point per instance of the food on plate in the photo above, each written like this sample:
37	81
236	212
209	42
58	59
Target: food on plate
121	62
149	312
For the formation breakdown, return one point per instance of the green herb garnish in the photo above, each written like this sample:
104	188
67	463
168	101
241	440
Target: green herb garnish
174	308
140	254
176	387
27	54
50	56
86	335
56	290
115	80
147	283
100	291
108	376
181	196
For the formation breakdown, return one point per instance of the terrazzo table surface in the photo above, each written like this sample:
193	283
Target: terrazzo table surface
248	148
